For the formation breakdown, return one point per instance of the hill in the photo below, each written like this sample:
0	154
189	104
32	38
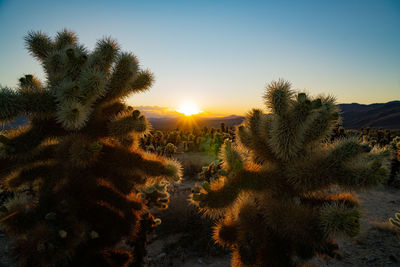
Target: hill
379	115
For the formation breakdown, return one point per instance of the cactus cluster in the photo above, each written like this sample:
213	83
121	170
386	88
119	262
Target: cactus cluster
79	157
206	140
281	199
375	137
213	139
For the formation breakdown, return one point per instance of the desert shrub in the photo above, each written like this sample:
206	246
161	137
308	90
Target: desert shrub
277	199
79	154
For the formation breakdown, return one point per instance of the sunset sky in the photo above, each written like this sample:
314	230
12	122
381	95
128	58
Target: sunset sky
221	54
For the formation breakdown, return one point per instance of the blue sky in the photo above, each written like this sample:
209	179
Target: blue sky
221	54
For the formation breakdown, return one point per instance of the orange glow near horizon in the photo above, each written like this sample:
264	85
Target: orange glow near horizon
188	109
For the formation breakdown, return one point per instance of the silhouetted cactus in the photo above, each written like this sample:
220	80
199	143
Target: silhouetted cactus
169	150
80	156
281	209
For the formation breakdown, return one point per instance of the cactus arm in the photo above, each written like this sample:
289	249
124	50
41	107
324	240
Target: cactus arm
124	73
127	123
10	104
142	82
336	218
162	168
104	54
107	193
344	150
30	174
92	85
319	199
254	133
223	192
32	137
65	38
362	175
39	44
320	122
13	104
305	174
214	199
149	164
38	103
277	96
285	140
123	180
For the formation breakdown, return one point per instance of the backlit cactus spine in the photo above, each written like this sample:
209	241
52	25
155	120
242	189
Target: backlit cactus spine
80	155
274	198
396	220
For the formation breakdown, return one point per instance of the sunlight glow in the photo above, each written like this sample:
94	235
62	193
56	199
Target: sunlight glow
188	108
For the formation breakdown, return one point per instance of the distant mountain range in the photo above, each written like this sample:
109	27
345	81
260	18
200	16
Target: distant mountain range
379	115
355	116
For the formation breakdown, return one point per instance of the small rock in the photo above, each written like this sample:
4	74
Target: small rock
50	216
371	259
200	261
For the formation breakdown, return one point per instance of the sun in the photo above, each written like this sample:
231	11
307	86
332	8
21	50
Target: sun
188	108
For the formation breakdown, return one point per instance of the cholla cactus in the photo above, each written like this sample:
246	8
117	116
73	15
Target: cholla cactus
80	156
156	195
276	200
169	150
211	172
